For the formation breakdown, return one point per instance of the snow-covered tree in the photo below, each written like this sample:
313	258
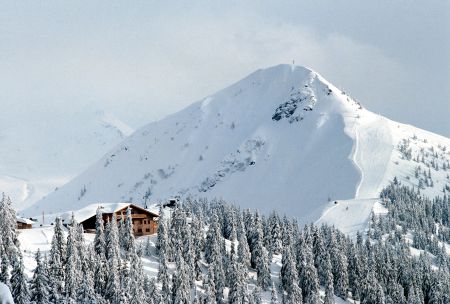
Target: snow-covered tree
162	242
339	266
9	243
263	270
19	284
329	288
128	234
4	269
72	268
39	285
273	295
86	293
309	280
112	291
137	294
99	240
209	287
181	283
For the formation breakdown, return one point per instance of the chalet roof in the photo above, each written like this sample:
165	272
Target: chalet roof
108	208
24	221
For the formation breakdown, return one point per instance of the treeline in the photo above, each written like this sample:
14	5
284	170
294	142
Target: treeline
214	252
427	220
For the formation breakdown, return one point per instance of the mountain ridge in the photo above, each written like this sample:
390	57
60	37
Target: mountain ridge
282	135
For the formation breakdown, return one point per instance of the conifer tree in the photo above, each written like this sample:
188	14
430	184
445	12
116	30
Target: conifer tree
19	284
72	270
100	273
355	272
295	295
4	269
39	286
148	247
256	295
86	293
263	270
413	297
151	293
164	279
275	233
329	288
128	237
273	295
236	278
187	249
136	279
308	276
372	292
181	283
243	250
112	292
320	256
197	247
162	237
209	287
288	272
10	243
213	237
196	298
256	240
56	262
99	240
339	266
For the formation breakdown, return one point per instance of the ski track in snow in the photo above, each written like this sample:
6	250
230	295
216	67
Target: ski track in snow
373	141
334	150
355	161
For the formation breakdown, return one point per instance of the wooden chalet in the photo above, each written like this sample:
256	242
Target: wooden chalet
23	223
144	221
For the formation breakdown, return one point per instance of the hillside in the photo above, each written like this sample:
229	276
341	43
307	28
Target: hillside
282	138
40	156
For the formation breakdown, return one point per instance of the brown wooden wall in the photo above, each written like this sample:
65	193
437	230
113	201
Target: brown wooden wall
143	223
23	226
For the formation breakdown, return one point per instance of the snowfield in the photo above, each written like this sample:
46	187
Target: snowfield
40	156
5	295
282	138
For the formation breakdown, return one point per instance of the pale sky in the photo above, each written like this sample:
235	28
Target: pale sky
142	60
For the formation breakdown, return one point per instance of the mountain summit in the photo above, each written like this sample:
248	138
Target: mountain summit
283	138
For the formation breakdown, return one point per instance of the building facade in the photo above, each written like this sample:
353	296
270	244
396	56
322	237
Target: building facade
144	221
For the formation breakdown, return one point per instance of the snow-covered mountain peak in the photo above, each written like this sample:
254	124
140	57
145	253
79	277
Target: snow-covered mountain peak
282	136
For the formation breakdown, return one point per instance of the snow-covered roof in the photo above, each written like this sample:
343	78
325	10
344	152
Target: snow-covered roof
24	221
91	210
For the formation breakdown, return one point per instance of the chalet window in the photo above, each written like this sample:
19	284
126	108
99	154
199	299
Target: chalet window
139	230
147	230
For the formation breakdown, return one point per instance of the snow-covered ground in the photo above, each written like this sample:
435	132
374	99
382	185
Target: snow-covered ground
5	295
282	138
30	241
38	156
349	216
40	238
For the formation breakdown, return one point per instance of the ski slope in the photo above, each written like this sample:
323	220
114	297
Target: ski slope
282	138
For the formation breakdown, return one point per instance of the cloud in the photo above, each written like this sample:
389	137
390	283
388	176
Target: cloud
146	61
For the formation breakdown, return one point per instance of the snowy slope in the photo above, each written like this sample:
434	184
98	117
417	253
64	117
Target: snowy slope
37	156
281	138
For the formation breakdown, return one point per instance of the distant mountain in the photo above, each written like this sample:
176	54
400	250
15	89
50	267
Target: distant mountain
41	154
282	138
